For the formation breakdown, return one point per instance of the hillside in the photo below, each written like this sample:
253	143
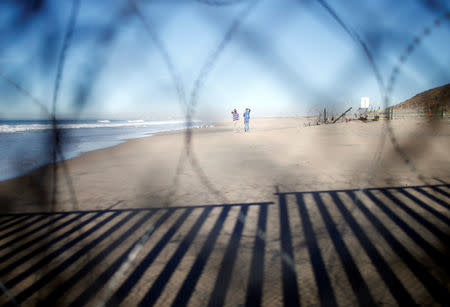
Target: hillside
434	99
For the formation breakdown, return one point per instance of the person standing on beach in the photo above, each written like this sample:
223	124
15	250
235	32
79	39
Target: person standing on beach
246	119
235	120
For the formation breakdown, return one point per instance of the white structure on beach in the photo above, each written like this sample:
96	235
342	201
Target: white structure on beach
365	101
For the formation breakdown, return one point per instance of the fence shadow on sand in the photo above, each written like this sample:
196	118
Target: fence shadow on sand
339	247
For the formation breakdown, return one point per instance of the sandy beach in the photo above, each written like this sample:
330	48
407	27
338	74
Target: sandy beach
224	167
124	181
270	217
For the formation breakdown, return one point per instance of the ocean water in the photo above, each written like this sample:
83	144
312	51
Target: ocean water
27	144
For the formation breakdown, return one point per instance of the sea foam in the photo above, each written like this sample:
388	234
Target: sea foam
11	128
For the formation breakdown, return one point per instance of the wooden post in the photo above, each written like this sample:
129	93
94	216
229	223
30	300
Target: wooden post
342	115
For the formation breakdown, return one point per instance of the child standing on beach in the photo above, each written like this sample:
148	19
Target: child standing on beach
246	119
235	120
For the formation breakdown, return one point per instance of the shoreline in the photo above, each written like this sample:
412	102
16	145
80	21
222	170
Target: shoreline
119	142
213	124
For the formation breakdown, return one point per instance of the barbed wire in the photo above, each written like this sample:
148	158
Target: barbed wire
386	94
359	41
192	103
368	54
56	144
26	93
186	152
285	256
56	133
187	155
175	76
411	47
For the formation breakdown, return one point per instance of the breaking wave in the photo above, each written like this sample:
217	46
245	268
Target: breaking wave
21	127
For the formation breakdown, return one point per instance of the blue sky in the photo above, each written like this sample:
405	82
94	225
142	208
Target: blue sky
283	58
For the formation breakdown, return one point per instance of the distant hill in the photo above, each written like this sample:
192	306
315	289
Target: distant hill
433	100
